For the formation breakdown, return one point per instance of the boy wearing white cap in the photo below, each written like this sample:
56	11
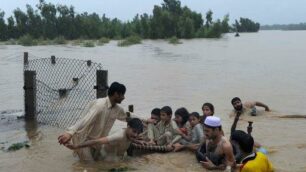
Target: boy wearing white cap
216	153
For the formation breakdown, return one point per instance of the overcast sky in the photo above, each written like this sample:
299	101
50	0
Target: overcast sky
262	11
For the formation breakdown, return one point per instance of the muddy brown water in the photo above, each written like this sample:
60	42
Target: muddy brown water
269	66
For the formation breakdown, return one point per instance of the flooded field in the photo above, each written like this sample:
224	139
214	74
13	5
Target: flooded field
269	66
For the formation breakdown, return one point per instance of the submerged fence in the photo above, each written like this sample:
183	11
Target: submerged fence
57	90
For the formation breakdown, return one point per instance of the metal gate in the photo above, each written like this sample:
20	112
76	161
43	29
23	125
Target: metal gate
57	90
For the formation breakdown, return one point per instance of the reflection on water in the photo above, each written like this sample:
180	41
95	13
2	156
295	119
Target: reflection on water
267	66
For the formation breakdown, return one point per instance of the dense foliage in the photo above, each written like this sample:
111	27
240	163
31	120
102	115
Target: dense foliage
60	22
301	26
246	25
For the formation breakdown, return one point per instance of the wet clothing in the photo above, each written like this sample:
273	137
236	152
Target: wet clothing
166	133
152	132
210	151
196	134
97	121
118	144
256	162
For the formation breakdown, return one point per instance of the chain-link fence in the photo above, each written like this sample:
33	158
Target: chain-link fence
62	88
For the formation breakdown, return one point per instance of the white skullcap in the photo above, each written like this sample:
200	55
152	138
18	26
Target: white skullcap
212	121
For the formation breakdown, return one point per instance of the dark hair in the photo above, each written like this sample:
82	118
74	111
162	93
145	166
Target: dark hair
136	124
235	99
210	106
182	112
116	87
195	114
245	141
167	110
156	111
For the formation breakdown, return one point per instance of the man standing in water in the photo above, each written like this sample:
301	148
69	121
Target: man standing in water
247	107
97	122
216	153
115	145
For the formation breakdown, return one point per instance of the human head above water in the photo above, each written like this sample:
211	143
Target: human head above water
244	140
194	118
212	122
208	109
116	91
116	87
136	124
167	110
181	116
165	113
212	127
237	104
155	114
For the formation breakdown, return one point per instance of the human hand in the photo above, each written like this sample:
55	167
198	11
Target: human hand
169	147
141	142
64	138
151	121
151	142
208	164
71	146
236	168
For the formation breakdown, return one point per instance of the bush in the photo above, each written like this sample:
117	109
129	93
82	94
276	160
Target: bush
60	40
88	44
103	41
11	42
174	40
78	42
130	41
27	40
211	32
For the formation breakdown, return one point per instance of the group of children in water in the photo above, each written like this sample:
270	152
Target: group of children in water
202	134
186	131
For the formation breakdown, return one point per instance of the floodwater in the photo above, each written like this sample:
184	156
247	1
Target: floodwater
269	66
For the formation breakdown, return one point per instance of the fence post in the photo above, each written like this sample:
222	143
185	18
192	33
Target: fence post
53	59
25	58
102	83
30	94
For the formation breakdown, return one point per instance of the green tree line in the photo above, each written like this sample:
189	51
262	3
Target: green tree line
246	25
300	26
48	21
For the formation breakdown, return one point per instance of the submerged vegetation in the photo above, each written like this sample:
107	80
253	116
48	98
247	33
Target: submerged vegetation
129	41
55	24
174	40
103	41
16	146
89	44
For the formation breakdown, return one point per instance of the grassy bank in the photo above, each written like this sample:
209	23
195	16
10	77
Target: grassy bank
129	41
27	40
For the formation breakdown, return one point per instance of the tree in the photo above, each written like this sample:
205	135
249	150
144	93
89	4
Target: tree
208	18
34	23
3	27
169	19
224	24
21	19
49	20
246	25
11	28
66	22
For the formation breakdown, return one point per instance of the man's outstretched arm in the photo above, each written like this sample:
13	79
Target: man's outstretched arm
89	143
260	104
